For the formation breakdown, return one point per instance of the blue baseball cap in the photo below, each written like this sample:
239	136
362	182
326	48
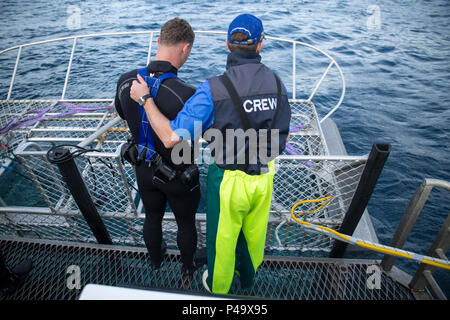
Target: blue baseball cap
248	24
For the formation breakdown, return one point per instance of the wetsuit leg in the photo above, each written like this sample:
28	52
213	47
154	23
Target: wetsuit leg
183	200
184	204
154	201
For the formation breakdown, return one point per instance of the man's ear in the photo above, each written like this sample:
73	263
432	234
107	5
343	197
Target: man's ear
228	47
259	46
185	47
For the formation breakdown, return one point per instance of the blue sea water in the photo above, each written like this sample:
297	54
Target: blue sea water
395	57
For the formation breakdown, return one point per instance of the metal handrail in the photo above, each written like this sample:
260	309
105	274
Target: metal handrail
438	248
152	33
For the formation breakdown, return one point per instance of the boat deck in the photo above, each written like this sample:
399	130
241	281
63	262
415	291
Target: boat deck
284	278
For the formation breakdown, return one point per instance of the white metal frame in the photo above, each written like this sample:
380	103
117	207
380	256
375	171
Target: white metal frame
151	35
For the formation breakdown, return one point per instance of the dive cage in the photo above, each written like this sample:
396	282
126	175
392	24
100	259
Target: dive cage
311	173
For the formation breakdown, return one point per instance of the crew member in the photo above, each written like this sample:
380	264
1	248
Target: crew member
156	187
239	189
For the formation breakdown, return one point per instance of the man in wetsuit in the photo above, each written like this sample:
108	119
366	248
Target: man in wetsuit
174	46
239	189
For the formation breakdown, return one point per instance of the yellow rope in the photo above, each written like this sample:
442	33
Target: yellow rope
365	244
326	200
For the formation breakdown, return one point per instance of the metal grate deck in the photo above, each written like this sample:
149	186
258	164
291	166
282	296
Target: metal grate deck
277	278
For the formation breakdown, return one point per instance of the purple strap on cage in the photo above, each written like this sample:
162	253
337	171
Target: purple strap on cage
72	109
291	150
296	128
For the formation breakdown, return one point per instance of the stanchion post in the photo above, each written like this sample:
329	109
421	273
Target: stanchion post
375	163
62	157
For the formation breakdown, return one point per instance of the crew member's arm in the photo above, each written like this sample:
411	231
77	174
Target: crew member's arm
198	108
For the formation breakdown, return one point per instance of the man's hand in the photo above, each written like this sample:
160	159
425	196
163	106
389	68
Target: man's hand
138	88
158	121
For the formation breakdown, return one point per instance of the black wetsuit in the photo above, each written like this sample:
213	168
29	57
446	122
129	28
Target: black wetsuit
183	199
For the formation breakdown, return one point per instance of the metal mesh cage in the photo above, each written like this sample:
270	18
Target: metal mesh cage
57	124
110	183
307	139
277	278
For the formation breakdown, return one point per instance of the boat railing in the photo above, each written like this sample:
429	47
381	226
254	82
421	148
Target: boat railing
424	274
152	34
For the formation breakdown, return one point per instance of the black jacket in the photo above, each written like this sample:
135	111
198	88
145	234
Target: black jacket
171	97
257	89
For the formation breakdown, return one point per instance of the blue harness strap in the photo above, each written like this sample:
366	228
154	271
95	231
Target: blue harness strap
145	138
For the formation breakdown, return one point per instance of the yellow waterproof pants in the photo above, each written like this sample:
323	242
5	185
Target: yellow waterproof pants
238	207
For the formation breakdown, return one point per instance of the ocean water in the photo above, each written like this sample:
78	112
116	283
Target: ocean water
395	58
